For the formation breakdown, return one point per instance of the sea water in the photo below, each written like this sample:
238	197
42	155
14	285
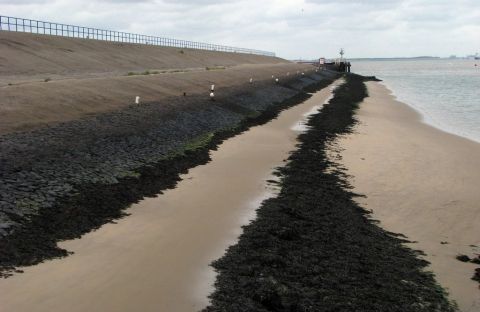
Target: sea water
446	92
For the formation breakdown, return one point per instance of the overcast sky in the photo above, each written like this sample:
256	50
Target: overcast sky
291	28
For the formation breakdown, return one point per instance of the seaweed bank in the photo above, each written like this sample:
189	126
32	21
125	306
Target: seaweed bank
313	248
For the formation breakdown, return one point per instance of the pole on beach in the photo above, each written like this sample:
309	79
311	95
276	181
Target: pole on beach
137	100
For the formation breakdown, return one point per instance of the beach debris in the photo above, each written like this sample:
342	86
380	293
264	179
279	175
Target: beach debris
463	258
476	276
137	100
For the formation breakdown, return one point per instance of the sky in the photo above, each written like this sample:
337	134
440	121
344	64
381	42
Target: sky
293	29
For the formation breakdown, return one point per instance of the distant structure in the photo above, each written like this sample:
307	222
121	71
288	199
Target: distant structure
8	23
342	64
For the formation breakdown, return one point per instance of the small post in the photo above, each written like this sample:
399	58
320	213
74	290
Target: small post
212	88
137	100
251	80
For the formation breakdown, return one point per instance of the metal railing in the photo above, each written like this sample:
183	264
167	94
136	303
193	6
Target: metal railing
8	23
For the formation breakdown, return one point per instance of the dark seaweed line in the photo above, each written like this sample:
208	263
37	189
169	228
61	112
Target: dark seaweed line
97	204
313	248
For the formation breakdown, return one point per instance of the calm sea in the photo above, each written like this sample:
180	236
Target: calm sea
446	92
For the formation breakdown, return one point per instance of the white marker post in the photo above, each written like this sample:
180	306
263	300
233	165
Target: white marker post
212	88
212	96
251	80
137	100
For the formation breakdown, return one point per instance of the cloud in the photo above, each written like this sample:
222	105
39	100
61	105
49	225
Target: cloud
291	28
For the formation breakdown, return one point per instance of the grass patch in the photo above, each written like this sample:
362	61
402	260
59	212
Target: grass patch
215	67
144	73
199	142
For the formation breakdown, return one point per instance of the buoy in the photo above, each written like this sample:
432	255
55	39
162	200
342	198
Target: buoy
137	100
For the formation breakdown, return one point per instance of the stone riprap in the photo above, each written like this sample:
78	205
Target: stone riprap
43	170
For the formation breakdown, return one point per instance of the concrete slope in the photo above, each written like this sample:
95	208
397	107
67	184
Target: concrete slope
33	55
47	79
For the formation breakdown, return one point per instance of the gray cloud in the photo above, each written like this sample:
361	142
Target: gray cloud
292	28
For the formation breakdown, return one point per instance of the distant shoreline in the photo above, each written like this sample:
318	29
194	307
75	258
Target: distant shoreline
422	87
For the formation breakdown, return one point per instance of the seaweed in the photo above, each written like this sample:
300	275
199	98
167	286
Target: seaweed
313	248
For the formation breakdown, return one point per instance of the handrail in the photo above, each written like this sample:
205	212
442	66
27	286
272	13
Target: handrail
8	23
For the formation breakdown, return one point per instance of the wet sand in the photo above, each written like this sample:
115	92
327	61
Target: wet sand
421	182
158	258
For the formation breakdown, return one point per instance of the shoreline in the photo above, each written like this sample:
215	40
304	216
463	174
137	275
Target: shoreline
129	257
426	119
314	232
419	181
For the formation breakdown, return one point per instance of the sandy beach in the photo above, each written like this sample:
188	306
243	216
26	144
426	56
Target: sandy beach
158	258
421	182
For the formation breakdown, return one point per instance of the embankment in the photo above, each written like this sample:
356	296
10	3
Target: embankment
73	175
48	79
313	248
